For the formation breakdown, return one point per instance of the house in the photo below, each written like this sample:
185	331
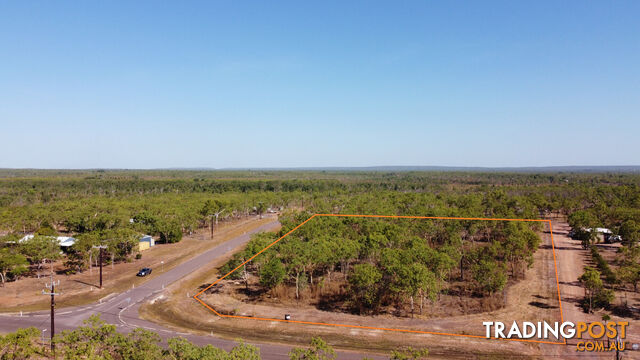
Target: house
605	234
603	231
146	241
63	241
66	241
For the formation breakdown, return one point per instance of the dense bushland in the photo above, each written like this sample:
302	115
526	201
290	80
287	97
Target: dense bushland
111	207
391	262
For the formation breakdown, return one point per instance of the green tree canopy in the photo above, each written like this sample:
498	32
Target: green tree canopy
12	264
318	350
272	273
364	281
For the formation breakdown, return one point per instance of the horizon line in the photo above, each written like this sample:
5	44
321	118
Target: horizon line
398	168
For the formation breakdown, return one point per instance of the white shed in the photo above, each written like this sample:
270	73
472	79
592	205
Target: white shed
63	241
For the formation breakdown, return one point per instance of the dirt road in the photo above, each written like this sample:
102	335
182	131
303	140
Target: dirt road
571	259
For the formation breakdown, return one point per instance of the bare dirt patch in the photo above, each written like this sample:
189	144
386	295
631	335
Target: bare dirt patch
331	298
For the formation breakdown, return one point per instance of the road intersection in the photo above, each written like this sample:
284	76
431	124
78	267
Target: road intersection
122	309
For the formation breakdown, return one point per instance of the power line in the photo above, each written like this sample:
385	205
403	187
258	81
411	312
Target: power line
101	247
51	287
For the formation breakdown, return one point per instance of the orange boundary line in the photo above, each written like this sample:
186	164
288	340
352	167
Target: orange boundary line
553	246
388	329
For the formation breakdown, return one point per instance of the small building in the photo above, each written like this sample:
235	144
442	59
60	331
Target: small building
603	231
146	242
63	241
66	241
603	234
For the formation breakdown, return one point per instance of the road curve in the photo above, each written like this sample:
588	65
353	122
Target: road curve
122	309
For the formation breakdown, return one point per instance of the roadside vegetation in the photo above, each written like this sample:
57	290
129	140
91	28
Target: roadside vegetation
99	340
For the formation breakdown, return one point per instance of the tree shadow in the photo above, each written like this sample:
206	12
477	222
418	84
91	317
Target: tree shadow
547	247
253	293
329	303
626	312
571	283
557	232
607	246
572	299
204	286
85	283
542	305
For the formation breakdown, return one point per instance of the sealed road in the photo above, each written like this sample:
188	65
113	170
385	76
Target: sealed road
122	309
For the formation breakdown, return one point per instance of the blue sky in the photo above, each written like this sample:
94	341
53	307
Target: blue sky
149	84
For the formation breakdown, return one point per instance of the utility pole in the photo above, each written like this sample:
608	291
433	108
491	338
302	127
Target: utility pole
100	247
52	292
216	216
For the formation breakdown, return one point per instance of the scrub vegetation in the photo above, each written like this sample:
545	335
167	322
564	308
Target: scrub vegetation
99	340
367	265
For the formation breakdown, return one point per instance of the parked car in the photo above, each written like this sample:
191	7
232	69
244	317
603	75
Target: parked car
144	272
610	239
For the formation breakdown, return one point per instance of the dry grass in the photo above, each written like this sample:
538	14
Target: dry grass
184	313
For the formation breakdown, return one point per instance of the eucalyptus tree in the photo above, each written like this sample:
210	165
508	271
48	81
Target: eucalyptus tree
592	283
630	233
364	283
489	275
12	264
40	249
